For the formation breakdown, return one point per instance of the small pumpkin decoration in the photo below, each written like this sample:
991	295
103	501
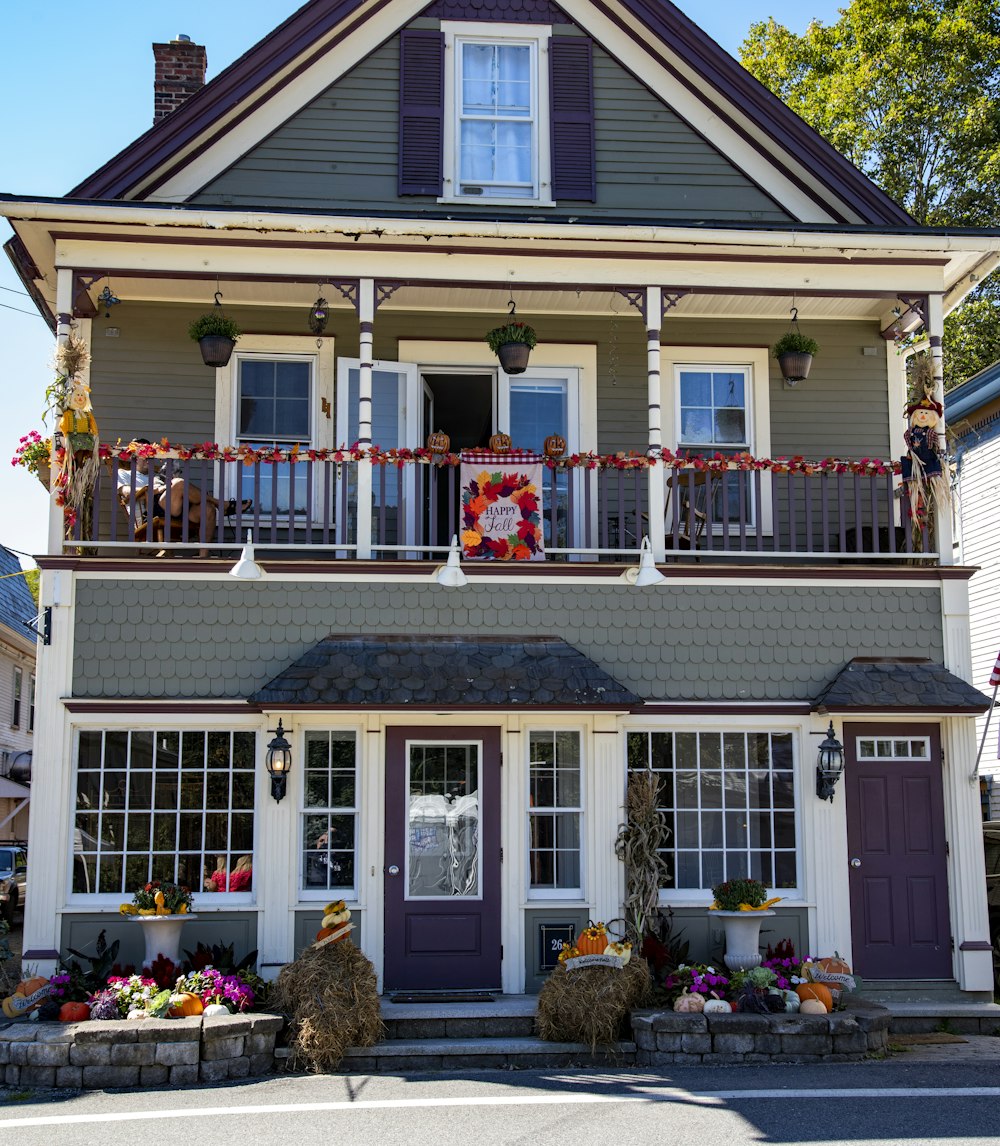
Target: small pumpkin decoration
689	1003
835	964
500	443
622	950
438	442
792	1000
717	1006
812	1007
817	992
592	940
555	446
188	1006
74	1012
214	1009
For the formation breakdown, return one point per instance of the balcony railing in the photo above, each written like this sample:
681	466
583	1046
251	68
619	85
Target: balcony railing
592	508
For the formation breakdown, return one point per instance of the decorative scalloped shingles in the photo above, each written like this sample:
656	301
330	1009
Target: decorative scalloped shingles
672	645
517	11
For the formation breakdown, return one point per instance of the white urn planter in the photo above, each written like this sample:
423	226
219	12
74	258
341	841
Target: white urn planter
742	930
162	935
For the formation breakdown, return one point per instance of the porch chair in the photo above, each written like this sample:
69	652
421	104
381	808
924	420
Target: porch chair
685	516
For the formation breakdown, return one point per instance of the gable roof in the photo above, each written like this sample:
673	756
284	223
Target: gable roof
444	672
898	684
16	602
973	394
734	99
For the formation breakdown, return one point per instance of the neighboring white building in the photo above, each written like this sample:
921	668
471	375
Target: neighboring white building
17	697
973	413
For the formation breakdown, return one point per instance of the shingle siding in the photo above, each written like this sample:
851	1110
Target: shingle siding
689	642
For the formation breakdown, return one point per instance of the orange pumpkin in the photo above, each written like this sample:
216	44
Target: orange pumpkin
555	446
323	933
29	986
818	991
835	965
74	1012
438	442
500	443
592	940
189	1006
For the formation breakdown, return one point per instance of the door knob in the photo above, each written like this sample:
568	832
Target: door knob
393	869
855	863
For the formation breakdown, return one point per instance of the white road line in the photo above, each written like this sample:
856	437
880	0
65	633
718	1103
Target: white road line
645	1095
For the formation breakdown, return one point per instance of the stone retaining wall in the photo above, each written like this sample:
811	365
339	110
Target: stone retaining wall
138	1052
845	1036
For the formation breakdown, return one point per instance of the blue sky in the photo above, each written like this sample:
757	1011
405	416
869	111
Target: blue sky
76	86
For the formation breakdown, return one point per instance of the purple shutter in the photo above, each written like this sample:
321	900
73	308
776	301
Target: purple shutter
421	112
571	73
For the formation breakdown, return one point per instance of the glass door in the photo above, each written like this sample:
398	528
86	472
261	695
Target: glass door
442	855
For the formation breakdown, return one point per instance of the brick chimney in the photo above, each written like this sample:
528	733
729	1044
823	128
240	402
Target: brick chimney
180	72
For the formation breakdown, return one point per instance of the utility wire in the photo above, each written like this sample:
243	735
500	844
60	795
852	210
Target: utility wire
12	291
33	313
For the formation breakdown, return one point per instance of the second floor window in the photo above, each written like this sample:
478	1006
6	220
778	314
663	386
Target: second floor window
275	408
15	714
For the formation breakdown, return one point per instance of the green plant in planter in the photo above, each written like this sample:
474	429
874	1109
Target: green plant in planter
735	894
511	332
214	323
795	343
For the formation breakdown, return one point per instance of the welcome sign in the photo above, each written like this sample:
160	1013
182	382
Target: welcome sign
502	506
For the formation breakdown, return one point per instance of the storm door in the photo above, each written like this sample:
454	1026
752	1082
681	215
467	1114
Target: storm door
442	856
898	855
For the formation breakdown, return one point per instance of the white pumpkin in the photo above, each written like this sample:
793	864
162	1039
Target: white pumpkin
689	1004
137	1013
336	917
717	1006
622	950
812	1007
216	1009
792	1000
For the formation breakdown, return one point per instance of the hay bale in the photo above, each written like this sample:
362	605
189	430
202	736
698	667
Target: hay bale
330	996
590	1004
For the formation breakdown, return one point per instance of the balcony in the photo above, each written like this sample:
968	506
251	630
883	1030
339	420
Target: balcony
594	508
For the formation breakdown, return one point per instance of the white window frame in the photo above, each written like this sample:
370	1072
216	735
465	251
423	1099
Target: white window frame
683	896
877	755
204	901
755	360
320	894
536	36
573	894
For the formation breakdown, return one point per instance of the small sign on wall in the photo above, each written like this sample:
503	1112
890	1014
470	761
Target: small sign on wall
551	937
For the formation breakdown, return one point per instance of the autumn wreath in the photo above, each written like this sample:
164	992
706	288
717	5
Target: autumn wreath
524	540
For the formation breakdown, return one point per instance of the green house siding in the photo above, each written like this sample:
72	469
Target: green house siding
217	639
339	153
150	382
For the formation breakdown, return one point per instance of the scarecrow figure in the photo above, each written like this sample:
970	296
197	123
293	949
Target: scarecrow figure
78	429
922	468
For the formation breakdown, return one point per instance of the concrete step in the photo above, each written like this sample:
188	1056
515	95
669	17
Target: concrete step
506	1016
945	992
448	1054
957	1018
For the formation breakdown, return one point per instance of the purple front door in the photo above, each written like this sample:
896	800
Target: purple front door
442	859
897	852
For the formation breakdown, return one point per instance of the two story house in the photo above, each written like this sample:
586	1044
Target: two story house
722	574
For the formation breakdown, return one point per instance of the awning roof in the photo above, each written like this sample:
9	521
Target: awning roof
903	684
349	671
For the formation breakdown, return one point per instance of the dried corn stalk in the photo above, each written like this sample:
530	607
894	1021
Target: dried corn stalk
638	846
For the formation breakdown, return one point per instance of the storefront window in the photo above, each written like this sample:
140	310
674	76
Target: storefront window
555	810
729	802
329	818
176	806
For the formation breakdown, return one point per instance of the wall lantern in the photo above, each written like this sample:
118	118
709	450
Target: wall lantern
830	766
278	762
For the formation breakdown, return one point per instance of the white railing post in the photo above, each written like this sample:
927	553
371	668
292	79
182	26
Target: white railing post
942	517
366	318
653	316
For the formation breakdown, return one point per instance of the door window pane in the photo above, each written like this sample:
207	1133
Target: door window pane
443	833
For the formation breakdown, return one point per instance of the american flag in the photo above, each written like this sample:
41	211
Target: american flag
995	674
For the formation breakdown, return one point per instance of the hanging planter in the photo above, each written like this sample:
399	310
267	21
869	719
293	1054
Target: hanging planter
216	334
794	352
512	343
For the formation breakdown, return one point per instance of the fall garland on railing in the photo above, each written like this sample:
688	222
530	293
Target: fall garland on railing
712	463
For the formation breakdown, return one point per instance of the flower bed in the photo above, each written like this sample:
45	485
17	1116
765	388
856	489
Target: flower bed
857	1032
153	1052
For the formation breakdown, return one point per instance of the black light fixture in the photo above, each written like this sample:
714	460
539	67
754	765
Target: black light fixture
278	762
830	766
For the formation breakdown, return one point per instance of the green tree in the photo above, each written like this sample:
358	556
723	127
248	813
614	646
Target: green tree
909	91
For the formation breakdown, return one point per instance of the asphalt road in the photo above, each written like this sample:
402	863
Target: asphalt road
881	1102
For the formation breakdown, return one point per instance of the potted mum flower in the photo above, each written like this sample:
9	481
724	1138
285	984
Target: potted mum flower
34	453
216	334
162	908
741	904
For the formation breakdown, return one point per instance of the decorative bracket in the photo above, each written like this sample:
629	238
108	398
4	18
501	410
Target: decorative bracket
636	296
348	288
41	625
384	291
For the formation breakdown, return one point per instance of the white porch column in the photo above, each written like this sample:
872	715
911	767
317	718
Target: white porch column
50	826
366	318
275	869
962	814
64	322
606	883
653	313
935	331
